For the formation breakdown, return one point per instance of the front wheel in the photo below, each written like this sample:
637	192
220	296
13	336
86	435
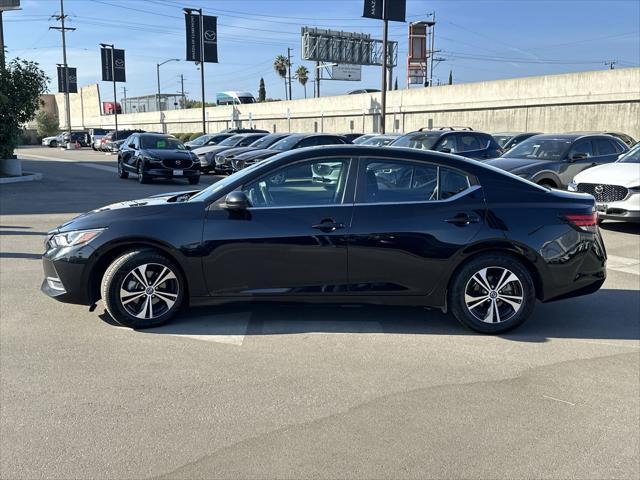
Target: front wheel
121	172
142	177
492	294
53	144
142	289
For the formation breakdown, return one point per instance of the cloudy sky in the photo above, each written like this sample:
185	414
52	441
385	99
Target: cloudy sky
478	39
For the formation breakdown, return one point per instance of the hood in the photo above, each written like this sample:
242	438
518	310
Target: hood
105	216
256	154
211	148
232	152
169	154
619	173
516	165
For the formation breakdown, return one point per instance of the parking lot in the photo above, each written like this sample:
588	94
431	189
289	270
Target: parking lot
289	391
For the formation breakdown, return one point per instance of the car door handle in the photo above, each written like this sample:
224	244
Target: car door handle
328	225
462	219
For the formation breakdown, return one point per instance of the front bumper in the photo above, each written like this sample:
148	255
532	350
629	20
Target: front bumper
66	275
169	172
627	210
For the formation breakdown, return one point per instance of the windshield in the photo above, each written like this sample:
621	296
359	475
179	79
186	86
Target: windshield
231	141
541	148
379	141
285	144
201	140
421	140
161	143
221	184
266	141
632	156
502	139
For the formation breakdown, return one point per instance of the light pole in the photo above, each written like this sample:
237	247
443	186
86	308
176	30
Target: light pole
113	77
158	65
201	39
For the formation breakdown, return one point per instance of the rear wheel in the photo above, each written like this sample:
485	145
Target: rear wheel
492	294
121	171
142	177
142	289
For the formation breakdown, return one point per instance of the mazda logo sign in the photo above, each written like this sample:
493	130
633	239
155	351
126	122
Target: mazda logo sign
599	189
119	63
210	36
178	162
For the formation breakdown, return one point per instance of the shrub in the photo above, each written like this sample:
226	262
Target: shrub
47	124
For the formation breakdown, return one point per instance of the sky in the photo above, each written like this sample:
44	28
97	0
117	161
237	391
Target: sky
478	39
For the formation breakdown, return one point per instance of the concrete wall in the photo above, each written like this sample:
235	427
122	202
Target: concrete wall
599	100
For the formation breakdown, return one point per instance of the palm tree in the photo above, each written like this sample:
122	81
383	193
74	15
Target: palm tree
302	74
280	65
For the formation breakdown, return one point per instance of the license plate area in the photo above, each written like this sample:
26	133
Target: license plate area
602	207
178	173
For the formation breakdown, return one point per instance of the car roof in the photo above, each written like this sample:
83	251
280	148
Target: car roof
567	136
151	134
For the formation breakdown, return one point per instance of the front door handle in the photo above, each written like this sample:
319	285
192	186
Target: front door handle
328	225
463	219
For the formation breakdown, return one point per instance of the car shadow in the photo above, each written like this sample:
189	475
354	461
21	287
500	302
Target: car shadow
605	315
621	227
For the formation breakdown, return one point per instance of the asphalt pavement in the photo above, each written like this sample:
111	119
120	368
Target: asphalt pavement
292	391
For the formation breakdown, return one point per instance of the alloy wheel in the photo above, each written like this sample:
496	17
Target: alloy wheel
494	295
149	291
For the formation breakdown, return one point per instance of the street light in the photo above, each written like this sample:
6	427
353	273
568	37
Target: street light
113	78
158	65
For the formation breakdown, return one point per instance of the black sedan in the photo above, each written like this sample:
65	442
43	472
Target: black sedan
554	160
398	227
152	155
291	142
223	159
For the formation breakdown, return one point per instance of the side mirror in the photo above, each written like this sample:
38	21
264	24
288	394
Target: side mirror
236	202
132	146
578	156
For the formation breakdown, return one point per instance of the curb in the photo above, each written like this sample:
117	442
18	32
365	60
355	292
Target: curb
26	177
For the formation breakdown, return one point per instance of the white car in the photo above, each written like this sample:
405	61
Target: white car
54	141
615	186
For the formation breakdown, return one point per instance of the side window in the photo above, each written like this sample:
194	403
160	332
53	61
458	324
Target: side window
398	181
604	146
329	141
452	182
468	142
308	142
448	144
310	183
583	146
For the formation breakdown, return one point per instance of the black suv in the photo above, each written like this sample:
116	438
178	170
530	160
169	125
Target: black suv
152	155
467	143
553	160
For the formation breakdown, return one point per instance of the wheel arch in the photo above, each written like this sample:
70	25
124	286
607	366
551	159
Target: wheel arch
547	177
108	253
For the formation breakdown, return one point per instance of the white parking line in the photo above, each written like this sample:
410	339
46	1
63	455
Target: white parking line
623	264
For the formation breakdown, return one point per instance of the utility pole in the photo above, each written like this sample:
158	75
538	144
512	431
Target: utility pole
385	63
432	48
318	78
62	29
611	64
2	61
289	66
182	89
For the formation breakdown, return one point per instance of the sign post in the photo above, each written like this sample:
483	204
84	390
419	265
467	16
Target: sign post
202	45
385	10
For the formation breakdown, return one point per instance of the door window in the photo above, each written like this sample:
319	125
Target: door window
448	144
310	183
468	142
605	146
584	147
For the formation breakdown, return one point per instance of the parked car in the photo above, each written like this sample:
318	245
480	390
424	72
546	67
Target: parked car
364	138
446	233
363	90
381	140
554	160
292	142
80	138
53	141
244	130
615	186
627	139
204	140
95	135
206	154
223	159
114	146
112	136
154	155
468	143
351	136
509	140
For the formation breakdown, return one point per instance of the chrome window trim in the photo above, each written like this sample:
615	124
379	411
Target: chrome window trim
420	202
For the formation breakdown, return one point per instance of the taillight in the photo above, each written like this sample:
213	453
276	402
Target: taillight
581	221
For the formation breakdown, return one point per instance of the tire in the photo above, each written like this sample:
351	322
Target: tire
147	305
142	177
53	144
121	172
492	310
94	148
194	180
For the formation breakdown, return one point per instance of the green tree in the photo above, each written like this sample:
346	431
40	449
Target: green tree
280	65
21	84
302	74
46	124
262	91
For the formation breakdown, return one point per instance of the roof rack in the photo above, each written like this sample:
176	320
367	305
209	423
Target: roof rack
445	128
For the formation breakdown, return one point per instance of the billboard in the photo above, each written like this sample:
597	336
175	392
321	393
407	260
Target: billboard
113	65
195	40
9	5
394	10
71	80
346	72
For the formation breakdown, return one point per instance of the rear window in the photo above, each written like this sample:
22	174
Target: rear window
541	149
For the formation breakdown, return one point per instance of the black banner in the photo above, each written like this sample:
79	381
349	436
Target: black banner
394	10
72	80
107	68
195	40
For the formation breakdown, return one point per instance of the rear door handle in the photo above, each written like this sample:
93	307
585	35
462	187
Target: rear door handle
462	219
328	225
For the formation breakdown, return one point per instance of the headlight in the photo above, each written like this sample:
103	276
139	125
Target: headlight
74	238
573	186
